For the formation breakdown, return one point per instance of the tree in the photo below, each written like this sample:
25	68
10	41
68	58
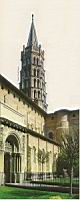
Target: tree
43	157
69	154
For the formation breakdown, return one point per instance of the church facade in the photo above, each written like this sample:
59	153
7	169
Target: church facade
27	132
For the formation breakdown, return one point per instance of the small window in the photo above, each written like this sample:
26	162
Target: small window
34	82
38	94
38	73
37	61
8	91
4	98
34	72
2	87
38	83
34	93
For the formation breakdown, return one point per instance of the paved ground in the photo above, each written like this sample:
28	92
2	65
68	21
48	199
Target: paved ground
53	188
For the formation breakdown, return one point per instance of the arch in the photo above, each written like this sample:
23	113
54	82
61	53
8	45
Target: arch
34	72
34	94
50	135
13	142
34	82
38	94
38	83
15	138
12	158
38	73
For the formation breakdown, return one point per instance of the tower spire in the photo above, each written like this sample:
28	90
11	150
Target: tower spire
32	75
32	39
32	17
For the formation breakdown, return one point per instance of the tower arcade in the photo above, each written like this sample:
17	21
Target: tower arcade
32	75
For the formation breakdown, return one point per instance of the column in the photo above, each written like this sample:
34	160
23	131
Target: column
14	163
20	163
17	163
20	174
10	168
15	168
2	176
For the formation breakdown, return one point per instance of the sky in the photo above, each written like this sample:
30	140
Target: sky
57	24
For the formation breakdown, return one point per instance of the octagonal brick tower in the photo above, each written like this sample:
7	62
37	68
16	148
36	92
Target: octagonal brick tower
32	74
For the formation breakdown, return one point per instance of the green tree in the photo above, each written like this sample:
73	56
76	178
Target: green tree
69	155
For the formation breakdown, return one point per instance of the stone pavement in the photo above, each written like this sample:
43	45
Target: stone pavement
37	186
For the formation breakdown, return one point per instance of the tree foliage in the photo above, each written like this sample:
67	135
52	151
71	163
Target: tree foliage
43	156
69	154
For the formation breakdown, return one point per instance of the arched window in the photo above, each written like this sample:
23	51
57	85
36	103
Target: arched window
37	61
34	72
38	94
34	154
34	93
38	83
38	73
34	82
51	135
4	98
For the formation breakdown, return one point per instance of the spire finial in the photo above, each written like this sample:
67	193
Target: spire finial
32	39
32	17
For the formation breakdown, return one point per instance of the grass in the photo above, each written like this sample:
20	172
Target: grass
19	193
61	181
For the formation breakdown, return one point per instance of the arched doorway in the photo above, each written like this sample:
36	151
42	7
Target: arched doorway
12	159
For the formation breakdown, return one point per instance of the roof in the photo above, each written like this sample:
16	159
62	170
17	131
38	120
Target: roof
63	111
8	84
32	40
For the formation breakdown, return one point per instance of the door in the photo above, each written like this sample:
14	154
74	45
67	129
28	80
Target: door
7	167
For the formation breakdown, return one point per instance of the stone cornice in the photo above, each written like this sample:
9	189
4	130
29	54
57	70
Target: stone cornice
18	127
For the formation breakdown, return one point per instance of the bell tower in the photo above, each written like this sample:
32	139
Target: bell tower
32	74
